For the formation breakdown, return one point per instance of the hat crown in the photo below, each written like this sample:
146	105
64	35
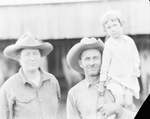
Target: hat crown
87	40
27	40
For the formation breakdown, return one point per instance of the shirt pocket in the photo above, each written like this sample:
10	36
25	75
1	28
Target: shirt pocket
25	99
25	106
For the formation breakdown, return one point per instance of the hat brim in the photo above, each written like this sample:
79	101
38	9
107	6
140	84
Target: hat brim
75	52
11	51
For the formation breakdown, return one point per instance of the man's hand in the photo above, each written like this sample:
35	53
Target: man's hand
110	108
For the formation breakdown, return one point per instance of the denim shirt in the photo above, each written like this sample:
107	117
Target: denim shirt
20	99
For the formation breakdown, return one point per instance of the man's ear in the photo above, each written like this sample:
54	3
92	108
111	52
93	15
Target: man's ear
80	63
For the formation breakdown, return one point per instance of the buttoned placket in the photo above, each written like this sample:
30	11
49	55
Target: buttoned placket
100	100
36	91
39	100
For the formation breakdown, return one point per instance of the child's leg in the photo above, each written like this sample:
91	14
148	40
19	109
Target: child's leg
117	91
119	99
129	102
129	99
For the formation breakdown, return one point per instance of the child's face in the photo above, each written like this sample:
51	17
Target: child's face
113	28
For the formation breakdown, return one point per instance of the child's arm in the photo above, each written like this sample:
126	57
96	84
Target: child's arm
106	59
101	88
136	60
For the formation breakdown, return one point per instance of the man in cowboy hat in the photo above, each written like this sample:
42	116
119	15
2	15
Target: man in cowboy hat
84	100
31	93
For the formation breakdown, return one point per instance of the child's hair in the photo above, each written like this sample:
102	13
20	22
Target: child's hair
112	15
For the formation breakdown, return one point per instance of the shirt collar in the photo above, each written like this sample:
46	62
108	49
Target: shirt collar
44	76
88	84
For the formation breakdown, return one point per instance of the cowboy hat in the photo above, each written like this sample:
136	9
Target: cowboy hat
27	41
73	55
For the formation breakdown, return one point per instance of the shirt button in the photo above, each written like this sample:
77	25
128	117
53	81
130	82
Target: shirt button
40	101
44	114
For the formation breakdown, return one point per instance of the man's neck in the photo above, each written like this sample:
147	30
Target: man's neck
93	79
31	73
33	76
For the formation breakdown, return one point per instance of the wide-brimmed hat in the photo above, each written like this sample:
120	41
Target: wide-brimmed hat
73	55
27	41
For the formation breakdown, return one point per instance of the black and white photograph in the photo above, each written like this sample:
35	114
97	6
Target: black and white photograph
74	59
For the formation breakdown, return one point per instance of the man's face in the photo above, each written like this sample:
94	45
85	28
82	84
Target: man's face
113	28
91	62
30	59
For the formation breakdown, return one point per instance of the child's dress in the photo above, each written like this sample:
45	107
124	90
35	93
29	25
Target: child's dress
120	64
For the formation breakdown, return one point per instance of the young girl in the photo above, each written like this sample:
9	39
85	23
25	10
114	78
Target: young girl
120	63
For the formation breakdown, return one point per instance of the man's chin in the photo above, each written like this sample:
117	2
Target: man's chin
32	69
94	74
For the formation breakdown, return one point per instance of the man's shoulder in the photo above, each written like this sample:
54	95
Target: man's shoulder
13	81
77	88
50	76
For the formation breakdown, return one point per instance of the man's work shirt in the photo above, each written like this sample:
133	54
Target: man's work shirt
83	101
21	99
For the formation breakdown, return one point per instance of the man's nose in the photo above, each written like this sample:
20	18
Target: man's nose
112	29
91	62
32	57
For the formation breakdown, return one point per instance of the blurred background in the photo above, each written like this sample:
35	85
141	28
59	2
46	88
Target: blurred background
63	23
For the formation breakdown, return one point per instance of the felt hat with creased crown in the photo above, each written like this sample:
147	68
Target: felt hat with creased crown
27	41
73	55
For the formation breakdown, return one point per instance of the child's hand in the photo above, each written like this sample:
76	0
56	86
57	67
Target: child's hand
101	88
137	72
